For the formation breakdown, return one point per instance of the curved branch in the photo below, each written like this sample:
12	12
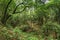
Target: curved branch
5	13
7	8
22	10
16	8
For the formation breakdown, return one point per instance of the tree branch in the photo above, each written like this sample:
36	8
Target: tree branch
17	7
7	8
22	10
5	12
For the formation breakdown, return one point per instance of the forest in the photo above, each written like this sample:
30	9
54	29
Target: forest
29	19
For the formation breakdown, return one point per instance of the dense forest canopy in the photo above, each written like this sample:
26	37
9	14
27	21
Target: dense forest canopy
38	17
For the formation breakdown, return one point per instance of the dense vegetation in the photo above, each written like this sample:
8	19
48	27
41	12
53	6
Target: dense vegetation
29	20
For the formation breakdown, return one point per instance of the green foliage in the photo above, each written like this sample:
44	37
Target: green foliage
29	20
